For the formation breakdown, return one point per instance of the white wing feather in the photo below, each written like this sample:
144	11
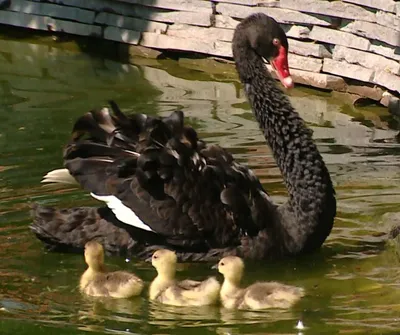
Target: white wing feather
123	213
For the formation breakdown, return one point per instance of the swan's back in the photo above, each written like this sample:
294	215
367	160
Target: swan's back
182	192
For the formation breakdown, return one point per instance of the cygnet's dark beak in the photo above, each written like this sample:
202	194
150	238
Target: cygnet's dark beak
215	267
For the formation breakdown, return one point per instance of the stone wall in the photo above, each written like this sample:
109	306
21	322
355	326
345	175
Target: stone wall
350	45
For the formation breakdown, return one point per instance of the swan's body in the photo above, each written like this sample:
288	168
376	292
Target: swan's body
97	282
261	295
165	289
166	188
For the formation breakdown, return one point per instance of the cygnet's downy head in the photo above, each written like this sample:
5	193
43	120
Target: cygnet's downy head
232	268
267	38
94	254
164	261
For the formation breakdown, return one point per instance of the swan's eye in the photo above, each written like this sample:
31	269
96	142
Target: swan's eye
222	264
155	256
276	42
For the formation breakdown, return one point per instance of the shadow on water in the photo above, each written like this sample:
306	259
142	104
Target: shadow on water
352	284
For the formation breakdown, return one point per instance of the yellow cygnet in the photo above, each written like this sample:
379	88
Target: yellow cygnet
260	295
97	282
167	290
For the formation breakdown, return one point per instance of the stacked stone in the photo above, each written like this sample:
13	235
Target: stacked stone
349	45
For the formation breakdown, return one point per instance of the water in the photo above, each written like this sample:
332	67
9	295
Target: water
353	283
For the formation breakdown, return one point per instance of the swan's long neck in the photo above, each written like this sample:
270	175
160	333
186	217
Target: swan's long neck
309	213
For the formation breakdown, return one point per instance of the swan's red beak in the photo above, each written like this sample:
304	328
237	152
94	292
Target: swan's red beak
281	65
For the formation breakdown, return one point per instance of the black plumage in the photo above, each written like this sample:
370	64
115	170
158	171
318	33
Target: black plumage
194	197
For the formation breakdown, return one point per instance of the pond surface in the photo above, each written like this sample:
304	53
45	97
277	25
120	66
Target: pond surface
353	283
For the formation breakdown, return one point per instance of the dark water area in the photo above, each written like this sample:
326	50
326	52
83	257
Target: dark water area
352	284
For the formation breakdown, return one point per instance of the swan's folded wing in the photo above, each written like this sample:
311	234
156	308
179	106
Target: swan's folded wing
156	175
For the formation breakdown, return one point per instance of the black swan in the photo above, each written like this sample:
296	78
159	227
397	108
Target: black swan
165	188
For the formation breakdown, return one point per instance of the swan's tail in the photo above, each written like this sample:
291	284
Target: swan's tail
59	176
68	230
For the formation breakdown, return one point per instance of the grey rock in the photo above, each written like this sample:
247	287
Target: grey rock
334	8
304	63
296	31
268	3
387	80
223	49
308	49
239	2
320	80
279	14
76	28
130	23
52	10
136	51
386	5
121	35
339	37
201	33
263	3
373	31
348	70
200	18
388	20
150	10
365	59
372	92
182	5
153	40
223	21
385	50
47	23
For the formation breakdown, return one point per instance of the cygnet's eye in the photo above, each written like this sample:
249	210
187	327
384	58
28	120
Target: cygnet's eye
276	42
155	256
222	264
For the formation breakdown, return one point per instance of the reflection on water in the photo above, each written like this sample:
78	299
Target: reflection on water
353	284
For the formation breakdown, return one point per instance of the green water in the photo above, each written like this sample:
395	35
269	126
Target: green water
353	283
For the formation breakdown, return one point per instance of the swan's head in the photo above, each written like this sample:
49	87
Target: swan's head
94	254
266	37
165	262
232	268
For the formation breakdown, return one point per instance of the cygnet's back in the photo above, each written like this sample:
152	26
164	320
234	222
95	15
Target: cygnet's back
271	295
261	295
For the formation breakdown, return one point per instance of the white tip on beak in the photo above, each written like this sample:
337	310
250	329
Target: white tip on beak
288	82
